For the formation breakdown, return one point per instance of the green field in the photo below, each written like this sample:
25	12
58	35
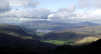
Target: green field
59	42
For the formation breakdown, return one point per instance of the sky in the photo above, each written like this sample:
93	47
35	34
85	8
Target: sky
56	4
53	10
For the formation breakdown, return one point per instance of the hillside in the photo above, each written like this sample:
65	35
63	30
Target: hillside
73	35
15	30
12	40
90	29
92	48
56	37
12	44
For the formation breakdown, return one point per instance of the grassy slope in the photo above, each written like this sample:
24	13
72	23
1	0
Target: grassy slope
59	42
14	31
94	30
90	34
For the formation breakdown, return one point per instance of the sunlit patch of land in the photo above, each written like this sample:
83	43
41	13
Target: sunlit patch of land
59	42
86	40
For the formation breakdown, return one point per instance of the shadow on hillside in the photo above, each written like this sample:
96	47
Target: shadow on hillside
92	48
11	44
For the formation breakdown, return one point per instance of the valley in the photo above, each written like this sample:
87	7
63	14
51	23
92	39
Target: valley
64	36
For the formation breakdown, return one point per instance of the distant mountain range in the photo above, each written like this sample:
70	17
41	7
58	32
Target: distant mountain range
17	31
45	26
7	28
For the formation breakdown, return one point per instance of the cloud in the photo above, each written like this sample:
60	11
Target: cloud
97	3
23	3
88	15
27	9
4	5
62	15
89	3
76	16
35	13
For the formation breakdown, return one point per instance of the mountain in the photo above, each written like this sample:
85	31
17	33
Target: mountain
12	44
88	24
44	25
16	30
11	41
12	28
92	48
62	36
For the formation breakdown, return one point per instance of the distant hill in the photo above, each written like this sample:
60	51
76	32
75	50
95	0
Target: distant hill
12	28
62	36
17	31
55	26
90	30
88	24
